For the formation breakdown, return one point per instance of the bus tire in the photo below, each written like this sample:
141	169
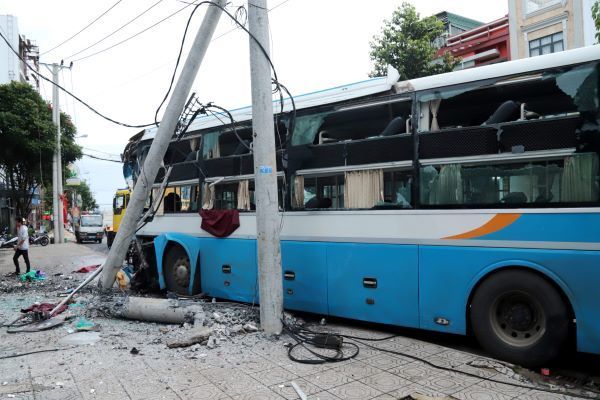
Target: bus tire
520	317
177	270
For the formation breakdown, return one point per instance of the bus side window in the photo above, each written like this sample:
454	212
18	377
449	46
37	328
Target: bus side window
573	179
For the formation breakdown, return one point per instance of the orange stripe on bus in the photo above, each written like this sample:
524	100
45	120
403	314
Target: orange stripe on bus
500	221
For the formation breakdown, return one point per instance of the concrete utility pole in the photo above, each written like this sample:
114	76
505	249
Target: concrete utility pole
159	146
265	172
57	184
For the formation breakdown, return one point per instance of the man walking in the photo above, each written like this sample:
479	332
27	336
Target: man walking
22	247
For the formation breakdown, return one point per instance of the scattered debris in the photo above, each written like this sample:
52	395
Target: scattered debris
84	324
250	327
419	396
86	269
37	326
299	391
80	338
33	275
193	336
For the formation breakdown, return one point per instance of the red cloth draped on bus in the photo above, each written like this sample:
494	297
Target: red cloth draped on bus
220	223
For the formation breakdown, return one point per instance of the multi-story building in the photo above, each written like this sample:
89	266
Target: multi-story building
11	67
454	24
485	44
548	26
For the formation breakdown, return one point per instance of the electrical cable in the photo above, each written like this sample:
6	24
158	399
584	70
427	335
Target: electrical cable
87	26
99	151
34	352
115	31
102	159
305	336
133	36
69	92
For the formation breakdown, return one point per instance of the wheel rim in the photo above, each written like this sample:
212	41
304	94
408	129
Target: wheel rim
181	272
518	319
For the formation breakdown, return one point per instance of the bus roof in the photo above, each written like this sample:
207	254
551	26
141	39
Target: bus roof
326	96
530	64
383	84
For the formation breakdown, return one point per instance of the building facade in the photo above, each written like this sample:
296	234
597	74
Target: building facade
485	44
11	67
548	26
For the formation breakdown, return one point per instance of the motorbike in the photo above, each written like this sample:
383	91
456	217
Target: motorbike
7	240
39	238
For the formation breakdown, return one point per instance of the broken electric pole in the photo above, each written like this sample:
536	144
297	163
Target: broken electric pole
159	146
265	171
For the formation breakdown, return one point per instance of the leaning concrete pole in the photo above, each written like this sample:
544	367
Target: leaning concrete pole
265	172
159	146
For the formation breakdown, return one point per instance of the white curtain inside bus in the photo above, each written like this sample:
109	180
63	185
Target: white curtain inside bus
298	192
208	192
243	195
579	180
446	187
363	189
211	145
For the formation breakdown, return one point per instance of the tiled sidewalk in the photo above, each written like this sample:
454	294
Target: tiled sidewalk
246	368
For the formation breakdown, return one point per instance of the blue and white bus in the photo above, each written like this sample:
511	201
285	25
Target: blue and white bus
466	202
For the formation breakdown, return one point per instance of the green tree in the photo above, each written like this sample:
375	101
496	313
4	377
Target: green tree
88	202
596	17
27	134
406	43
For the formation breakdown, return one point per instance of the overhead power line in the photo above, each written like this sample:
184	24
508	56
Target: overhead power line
92	109
84	28
102	152
134	35
102	159
115	31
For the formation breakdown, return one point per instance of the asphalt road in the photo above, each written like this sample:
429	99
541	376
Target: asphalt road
97	247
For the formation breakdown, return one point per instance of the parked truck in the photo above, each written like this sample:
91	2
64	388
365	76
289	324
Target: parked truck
89	227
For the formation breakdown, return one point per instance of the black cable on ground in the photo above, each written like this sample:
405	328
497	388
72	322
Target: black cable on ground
302	335
33	352
331	342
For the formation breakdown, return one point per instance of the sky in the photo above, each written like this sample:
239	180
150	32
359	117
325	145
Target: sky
315	44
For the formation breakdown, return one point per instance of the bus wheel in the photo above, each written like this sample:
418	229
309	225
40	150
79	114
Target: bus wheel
177	270
520	317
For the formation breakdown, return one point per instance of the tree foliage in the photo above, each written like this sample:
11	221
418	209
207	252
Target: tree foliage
88	202
596	18
406	43
28	138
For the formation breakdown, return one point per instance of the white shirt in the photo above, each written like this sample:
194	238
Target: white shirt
23	234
